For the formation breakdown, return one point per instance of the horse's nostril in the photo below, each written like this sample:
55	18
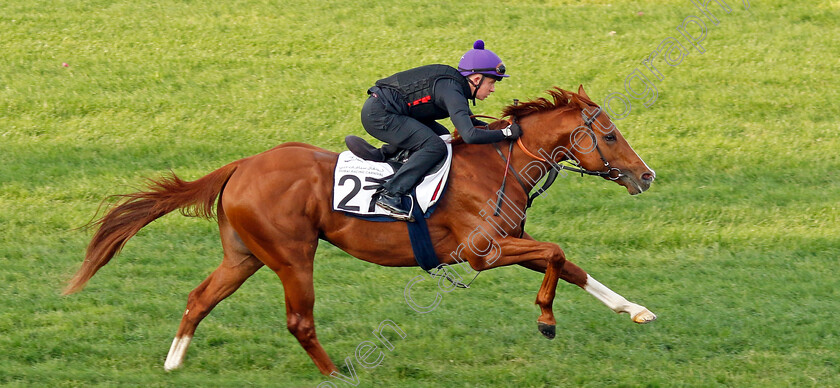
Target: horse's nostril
647	177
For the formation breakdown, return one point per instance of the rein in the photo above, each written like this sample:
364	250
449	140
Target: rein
507	165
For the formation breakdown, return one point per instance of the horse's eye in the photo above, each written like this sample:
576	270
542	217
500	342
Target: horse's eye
609	137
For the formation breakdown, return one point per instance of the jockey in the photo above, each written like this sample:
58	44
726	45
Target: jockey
401	110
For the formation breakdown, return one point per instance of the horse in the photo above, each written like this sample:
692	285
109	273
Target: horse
273	207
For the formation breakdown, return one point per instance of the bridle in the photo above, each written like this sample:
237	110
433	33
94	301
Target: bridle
576	167
556	166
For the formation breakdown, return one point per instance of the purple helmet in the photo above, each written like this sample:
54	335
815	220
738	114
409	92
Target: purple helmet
479	60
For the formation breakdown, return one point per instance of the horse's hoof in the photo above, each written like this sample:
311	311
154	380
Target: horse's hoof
644	317
549	331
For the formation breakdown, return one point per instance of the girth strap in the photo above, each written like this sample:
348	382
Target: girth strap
549	180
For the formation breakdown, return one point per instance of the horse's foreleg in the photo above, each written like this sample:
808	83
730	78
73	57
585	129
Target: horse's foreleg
292	261
300	300
570	272
518	251
618	303
223	282
575	275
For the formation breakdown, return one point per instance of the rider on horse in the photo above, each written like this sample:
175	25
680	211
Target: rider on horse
401	110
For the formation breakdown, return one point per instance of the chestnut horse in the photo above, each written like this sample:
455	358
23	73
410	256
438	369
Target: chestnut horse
274	207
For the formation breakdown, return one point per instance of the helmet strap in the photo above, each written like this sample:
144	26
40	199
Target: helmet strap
475	92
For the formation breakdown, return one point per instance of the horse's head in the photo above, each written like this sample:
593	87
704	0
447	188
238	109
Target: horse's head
573	128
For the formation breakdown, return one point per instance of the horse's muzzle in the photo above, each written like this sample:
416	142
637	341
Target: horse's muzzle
637	184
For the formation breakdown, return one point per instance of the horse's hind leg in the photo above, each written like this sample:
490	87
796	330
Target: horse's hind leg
238	265
219	285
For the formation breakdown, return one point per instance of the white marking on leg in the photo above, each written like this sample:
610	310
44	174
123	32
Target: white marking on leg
616	302
177	351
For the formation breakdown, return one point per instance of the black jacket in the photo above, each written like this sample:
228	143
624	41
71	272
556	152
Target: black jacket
434	92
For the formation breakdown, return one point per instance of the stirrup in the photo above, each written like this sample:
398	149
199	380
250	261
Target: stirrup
436	272
395	212
361	148
400	217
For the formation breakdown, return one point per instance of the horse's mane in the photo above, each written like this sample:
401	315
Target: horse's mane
561	99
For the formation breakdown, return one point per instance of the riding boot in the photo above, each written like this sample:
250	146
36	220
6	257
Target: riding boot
361	148
393	204
389	150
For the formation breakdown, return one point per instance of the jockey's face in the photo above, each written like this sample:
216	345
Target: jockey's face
486	87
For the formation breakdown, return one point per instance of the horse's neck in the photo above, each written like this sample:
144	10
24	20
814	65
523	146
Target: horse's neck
529	170
534	155
485	157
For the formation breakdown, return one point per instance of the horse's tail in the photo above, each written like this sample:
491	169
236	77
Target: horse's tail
134	211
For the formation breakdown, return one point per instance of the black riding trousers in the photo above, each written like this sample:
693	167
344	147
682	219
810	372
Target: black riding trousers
422	138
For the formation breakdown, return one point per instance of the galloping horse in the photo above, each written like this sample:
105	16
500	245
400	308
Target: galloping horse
274	207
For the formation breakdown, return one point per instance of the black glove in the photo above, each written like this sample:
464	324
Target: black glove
512	131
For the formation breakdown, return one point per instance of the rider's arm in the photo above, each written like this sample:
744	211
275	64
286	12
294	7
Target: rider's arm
448	95
477	123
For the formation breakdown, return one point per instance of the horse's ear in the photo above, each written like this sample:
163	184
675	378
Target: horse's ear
576	101
583	92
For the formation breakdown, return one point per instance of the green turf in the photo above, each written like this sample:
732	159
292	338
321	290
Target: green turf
735	246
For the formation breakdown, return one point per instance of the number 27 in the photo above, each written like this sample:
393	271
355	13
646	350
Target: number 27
357	186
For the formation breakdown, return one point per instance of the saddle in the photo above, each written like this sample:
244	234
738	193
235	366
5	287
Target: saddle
364	168
360	171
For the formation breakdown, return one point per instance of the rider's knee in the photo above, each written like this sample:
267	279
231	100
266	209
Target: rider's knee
436	145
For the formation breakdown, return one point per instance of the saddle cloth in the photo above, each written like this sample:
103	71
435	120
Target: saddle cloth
355	181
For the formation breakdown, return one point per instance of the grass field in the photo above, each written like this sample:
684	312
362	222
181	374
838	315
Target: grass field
735	246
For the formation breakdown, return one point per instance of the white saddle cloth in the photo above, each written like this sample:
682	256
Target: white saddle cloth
355	181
